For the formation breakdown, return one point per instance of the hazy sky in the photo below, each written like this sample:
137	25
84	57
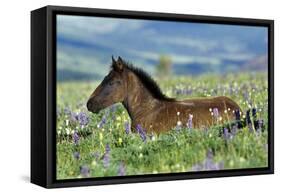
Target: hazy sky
143	41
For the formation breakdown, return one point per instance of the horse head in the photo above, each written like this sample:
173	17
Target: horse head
111	90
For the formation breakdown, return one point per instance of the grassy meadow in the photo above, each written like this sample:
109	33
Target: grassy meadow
98	145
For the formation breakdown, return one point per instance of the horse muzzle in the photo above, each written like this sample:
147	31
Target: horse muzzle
93	106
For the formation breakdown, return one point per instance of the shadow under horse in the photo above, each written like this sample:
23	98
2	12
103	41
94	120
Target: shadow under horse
149	108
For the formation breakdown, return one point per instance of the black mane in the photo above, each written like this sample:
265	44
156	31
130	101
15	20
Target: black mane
148	82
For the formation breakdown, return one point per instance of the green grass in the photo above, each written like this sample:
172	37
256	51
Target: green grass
176	151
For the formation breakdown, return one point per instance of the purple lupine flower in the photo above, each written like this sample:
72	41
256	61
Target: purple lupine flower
186	91
113	108
67	111
189	121
208	164
107	112
261	124
121	169
106	158
197	167
127	127
216	113
83	119
138	128
113	117
107	148
75	137
190	91
234	129
73	117
209	154
103	121
226	134
76	155
141	132
85	171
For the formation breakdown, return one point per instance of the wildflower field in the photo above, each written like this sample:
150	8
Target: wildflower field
98	145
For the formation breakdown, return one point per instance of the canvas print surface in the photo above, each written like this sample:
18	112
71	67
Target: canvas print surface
139	97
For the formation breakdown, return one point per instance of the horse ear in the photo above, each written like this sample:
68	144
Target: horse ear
120	59
118	65
113	60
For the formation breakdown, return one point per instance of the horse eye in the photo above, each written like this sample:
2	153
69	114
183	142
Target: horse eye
116	82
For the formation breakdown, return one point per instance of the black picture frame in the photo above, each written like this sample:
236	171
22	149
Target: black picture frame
43	95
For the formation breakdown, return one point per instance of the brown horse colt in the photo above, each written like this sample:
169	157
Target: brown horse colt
149	108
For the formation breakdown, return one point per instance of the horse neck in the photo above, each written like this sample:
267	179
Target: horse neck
138	100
